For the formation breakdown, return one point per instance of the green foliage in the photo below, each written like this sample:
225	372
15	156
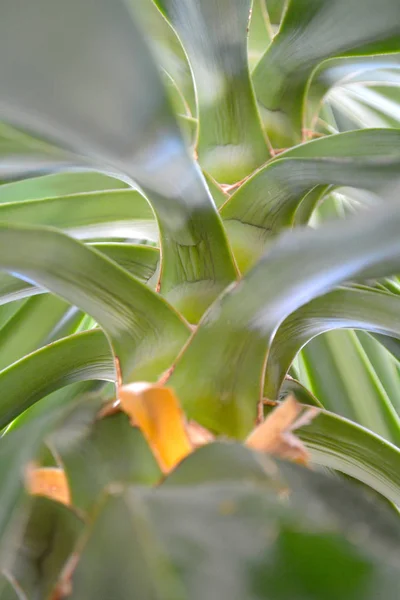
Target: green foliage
166	215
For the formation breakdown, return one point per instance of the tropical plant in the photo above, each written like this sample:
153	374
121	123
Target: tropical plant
198	195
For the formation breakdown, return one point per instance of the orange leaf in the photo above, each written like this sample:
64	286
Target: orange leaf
50	482
157	413
275	434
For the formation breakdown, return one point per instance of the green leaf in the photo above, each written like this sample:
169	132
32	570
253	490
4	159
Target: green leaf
16	450
230	140
132	130
146	334
98	453
48	539
343	308
385	367
268	201
79	357
21	155
232	341
121	537
346	383
59	184
140	261
9	590
242	529
312	31
35	324
106	213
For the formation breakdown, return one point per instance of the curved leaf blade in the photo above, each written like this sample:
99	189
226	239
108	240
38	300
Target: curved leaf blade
270	199
232	341
230	139
343	308
311	32
132	130
79	357
341	444
136	320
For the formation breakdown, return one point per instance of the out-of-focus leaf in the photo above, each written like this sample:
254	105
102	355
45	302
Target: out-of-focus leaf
17	449
9	589
49	482
230	139
124	123
48	539
58	185
156	411
268	201
232	340
275	435
99	452
345	383
137	562
79	357
246	543
312	31
145	332
335	442
343	308
21	155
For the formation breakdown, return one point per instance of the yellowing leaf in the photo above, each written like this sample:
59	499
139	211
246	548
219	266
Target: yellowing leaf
50	482
156	411
275	435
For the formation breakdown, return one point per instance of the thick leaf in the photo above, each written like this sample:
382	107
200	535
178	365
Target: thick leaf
231	344
140	261
60	184
344	308
97	453
136	319
121	538
124	122
246	543
268	201
230	140
79	357
346	383
312	31
121	213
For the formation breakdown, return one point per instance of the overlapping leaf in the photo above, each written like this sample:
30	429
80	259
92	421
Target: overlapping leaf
135	319
269	200
124	123
232	341
311	32
230	140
